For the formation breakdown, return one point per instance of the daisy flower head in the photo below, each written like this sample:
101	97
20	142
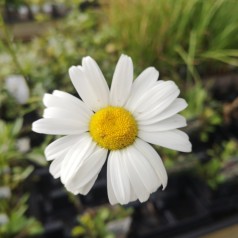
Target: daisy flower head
117	125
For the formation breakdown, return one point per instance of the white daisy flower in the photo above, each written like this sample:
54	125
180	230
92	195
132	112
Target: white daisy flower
117	124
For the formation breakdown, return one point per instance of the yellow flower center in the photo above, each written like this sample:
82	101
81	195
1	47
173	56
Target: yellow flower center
113	128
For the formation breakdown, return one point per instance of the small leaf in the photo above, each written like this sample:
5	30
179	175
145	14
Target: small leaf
77	231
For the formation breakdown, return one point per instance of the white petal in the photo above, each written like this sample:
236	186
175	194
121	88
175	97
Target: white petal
119	184
122	81
67	102
155	100
69	98
76	156
141	174
87	187
84	189
55	167
60	146
176	106
53	126
174	139
174	122
154	159
95	76
87	172
133	196
72	99
111	195
54	112
90	84
142	83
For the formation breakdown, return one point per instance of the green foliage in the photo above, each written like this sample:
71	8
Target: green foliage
18	223
13	172
197	97
210	118
170	34
8	135
93	224
36	154
220	156
202	112
64	44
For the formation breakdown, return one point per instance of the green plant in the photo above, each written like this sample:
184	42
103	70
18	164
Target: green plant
13	172
46	59
214	171
18	224
197	97
171	34
93	223
203	112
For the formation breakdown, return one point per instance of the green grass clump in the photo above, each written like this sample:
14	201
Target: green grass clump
197	34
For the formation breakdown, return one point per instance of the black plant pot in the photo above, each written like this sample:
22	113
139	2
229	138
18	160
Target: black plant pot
173	211
221	200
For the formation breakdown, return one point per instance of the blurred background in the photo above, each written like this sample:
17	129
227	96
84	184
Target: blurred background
194	43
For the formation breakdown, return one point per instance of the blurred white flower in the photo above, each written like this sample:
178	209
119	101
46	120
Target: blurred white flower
119	124
47	8
16	85
23	12
5	192
3	219
35	8
23	144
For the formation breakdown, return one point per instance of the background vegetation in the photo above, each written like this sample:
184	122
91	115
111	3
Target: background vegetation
192	42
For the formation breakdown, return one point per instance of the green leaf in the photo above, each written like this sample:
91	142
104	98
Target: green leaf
17	126
78	231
